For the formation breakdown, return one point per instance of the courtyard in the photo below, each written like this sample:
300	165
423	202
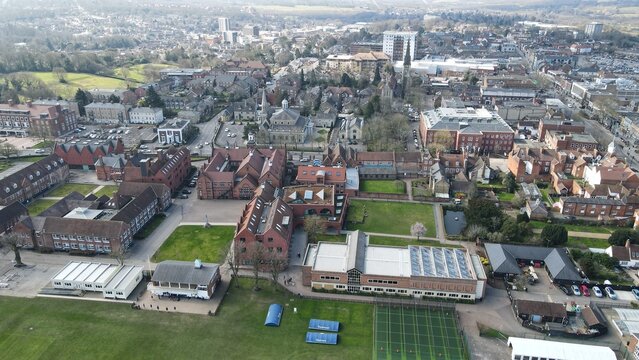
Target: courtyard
389	217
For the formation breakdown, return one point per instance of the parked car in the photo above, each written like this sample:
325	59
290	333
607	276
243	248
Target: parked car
611	293
585	290
183	196
565	290
186	191
635	292
597	291
575	290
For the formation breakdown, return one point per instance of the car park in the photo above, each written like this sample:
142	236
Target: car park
575	290
584	290
565	290
611	293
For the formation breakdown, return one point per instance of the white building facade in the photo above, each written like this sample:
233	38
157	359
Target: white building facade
173	132
146	115
395	42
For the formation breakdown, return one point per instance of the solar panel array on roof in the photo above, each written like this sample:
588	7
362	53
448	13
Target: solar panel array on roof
451	265
321	338
439	262
426	261
415	269
463	266
323	325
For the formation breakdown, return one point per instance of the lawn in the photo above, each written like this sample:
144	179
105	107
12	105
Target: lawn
77	80
31	159
4	165
584	243
190	242
505	196
536	224
45	328
331	238
68	188
390	217
383	186
43	145
37	206
107	190
393	241
138	72
150	226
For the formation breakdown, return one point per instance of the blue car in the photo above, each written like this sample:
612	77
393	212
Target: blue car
635	292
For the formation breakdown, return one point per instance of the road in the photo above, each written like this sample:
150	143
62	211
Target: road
207	132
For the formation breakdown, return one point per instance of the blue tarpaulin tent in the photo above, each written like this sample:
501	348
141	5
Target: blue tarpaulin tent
321	338
274	315
323	325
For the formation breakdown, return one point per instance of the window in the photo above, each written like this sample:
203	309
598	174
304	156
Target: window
279	250
328	277
243	250
270	239
242	240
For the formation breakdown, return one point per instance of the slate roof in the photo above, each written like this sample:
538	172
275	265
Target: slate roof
30	174
184	272
503	259
9	213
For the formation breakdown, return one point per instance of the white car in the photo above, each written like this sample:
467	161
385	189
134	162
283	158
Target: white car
575	290
226	130
611	293
206	143
597	291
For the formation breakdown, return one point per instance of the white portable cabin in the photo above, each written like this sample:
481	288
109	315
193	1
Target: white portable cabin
82	275
123	283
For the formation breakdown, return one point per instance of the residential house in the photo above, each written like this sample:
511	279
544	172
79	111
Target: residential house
23	185
628	255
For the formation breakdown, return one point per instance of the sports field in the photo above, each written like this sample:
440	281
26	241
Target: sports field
407	332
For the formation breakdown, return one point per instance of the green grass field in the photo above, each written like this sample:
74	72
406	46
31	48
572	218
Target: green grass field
77	80
410	333
37	206
107	190
43	328
393	241
5	165
138	74
30	159
390	217
68	188
383	186
190	242
536	224
584	243
43	145
505	196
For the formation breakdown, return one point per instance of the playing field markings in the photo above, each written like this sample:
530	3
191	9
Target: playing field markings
418	351
441	330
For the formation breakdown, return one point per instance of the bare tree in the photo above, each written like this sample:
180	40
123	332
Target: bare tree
418	229
233	260
119	255
256	256
12	242
314	225
8	150
475	231
276	264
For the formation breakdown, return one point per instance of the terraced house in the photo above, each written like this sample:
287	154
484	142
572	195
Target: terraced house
24	185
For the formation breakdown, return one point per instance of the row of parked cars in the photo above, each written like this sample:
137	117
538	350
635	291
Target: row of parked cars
583	290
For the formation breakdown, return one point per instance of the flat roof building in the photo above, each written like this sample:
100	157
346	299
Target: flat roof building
542	349
417	271
114	281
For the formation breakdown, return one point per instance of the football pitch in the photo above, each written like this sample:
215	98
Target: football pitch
407	332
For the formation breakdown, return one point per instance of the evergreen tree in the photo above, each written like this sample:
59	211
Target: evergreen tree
302	82
378	77
153	99
346	80
83	99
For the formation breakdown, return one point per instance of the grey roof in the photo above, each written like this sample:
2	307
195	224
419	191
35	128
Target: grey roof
116	161
503	259
357	259
184	272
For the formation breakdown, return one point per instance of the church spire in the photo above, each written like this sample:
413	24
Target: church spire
407	58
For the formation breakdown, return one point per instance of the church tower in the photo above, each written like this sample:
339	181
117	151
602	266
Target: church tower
262	114
406	72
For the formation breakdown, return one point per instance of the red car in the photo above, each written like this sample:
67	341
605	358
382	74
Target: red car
584	290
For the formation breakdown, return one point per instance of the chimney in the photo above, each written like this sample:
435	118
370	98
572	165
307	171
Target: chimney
29	103
144	167
10	102
628	244
197	264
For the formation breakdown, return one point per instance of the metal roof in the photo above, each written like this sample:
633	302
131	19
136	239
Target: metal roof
184	272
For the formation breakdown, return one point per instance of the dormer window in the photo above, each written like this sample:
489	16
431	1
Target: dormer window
38	173
15	186
48	167
7	189
30	177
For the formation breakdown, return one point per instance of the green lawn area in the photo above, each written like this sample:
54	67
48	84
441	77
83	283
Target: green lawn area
390	217
77	80
45	328
39	205
68	188
138	72
547	198
536	224
28	159
190	242
584	243
393	241
43	145
505	196
107	190
4	165
331	238
383	186
150	226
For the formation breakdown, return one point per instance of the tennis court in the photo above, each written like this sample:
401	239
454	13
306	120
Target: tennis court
408	332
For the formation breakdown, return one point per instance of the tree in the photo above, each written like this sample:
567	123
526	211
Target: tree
153	99
483	212
233	259
302	82
256	255
113	99
474	231
276	263
620	236
59	73
378	77
509	182
12	242
83	99
346	80
511	230
587	265
418	229
8	150
314	225
554	235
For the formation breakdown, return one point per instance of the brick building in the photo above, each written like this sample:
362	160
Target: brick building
319	200
314	175
560	140
417	271
10	215
236	173
36	120
84	154
569	126
531	163
597	207
170	167
24	185
474	130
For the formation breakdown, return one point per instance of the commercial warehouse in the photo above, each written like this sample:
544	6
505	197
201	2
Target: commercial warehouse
417	271
114	281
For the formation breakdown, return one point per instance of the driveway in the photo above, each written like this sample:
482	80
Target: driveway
298	247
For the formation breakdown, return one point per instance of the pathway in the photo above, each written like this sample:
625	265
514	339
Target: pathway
439	221
409	188
581	234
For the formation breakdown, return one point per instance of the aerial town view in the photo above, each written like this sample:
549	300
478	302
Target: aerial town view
319	179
